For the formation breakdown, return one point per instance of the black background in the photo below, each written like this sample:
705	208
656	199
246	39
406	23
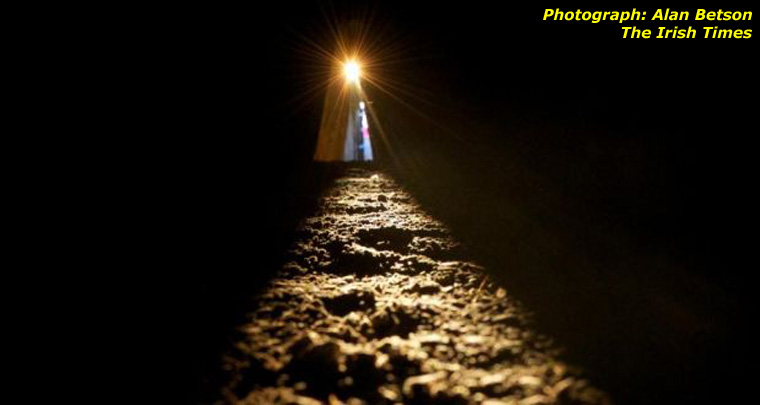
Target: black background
608	183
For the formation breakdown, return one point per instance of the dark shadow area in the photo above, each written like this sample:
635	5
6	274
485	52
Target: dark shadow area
216	177
219	300
226	259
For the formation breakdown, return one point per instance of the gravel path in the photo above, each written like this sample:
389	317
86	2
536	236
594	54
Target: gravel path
379	304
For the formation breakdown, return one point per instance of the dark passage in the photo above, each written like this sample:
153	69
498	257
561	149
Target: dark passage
605	184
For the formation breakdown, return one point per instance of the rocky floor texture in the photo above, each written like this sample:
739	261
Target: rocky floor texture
378	304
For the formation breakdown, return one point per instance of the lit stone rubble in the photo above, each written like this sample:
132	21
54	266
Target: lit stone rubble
379	305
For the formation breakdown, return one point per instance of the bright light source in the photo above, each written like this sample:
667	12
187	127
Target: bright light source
352	71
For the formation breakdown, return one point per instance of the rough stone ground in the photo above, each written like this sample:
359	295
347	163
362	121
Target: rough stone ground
379	304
